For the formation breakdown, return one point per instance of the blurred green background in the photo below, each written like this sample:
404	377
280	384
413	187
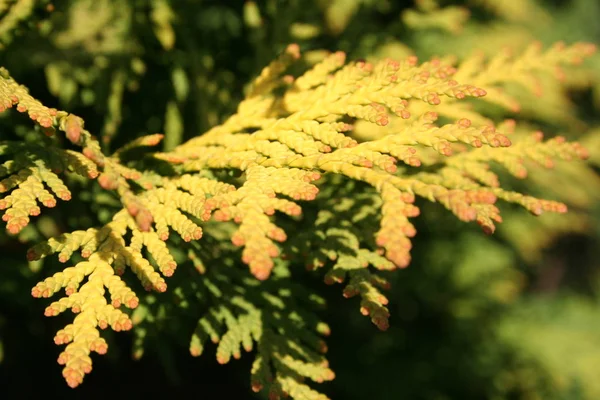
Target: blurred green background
511	316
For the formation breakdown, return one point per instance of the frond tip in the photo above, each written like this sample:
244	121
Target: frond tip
28	171
289	349
107	255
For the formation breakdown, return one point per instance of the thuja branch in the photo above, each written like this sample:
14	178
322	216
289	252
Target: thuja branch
292	137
